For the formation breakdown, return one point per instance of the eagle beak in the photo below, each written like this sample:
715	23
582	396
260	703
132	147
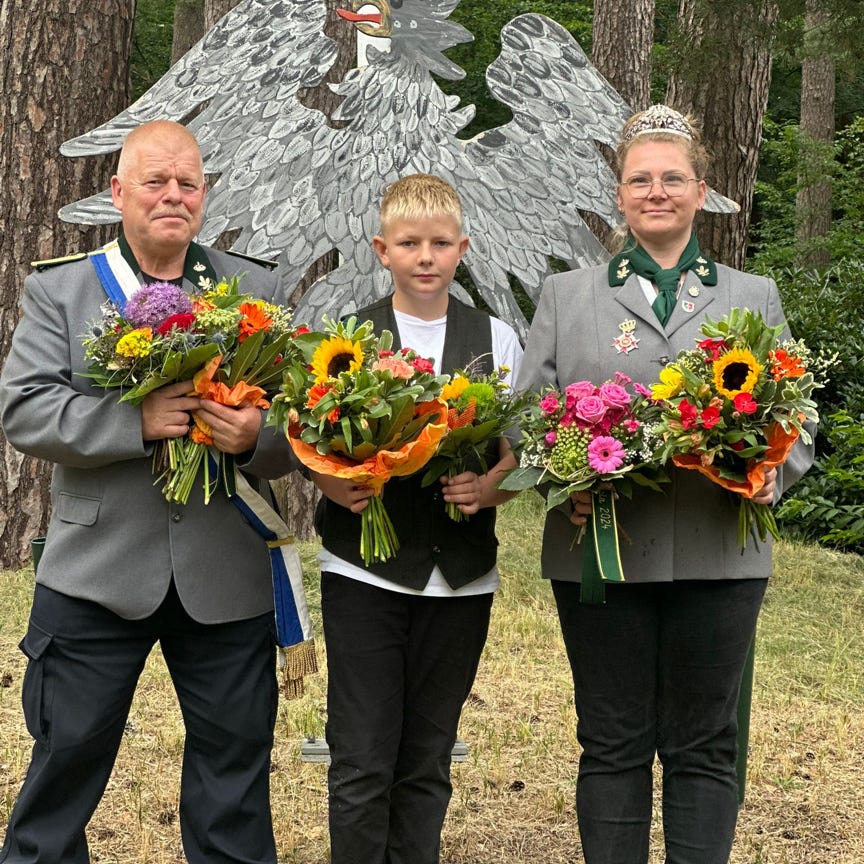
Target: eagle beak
356	18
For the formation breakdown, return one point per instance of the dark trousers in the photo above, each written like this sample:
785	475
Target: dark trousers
399	670
657	669
84	665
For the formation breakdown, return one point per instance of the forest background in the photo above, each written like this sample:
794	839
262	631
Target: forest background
777	85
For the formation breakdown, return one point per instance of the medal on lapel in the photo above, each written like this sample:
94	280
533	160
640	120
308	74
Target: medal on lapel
627	341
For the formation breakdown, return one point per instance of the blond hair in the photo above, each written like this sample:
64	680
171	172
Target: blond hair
689	141
419	196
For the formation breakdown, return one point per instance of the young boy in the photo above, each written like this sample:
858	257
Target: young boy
404	638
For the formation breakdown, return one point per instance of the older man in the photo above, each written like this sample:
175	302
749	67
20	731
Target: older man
122	567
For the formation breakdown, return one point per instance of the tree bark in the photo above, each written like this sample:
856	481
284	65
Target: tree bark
721	77
188	26
630	23
818	91
617	23
63	70
216	9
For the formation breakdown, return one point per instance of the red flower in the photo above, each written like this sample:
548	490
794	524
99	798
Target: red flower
385	354
710	416
301	330
745	403
689	413
713	347
421	364
181	320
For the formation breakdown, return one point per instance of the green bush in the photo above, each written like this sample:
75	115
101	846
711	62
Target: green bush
823	309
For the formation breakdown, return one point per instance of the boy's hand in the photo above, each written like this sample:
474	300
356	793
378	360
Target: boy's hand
344	492
465	490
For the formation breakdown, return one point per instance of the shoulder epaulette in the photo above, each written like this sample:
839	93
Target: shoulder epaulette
263	262
54	262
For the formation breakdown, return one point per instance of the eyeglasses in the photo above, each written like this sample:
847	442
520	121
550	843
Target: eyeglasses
674	185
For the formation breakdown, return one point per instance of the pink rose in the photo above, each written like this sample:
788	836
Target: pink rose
580	389
551	438
591	409
614	396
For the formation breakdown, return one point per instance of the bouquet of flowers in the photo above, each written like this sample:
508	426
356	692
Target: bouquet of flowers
353	408
481	408
232	345
595	438
734	406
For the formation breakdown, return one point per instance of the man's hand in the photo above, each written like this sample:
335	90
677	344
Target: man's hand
234	430
165	413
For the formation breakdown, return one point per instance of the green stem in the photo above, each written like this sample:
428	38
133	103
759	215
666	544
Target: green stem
378	540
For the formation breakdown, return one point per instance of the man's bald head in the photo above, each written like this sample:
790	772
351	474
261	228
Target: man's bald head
159	133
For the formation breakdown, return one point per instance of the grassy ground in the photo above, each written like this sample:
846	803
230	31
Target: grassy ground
513	797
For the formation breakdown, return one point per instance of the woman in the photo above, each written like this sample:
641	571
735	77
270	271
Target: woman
657	668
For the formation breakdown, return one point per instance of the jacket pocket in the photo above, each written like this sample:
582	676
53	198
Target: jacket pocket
37	690
77	509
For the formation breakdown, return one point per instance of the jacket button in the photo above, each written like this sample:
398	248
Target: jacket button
436	550
176	517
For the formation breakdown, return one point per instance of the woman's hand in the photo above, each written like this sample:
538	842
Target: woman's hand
766	494
581	502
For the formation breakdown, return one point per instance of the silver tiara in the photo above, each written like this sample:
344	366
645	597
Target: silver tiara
660	118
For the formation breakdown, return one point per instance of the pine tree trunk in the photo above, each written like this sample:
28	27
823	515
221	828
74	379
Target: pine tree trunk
188	26
818	91
630	23
617	23
722	75
63	70
216	9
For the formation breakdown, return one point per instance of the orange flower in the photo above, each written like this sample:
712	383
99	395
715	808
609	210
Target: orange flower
254	319
316	393
779	445
381	466
785	365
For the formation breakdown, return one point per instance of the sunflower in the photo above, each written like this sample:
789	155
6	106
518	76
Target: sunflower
737	371
671	383
335	355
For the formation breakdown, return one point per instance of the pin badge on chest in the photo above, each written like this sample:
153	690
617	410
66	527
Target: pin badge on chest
688	305
627	341
693	290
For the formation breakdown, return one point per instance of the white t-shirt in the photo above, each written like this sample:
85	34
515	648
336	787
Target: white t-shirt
427	339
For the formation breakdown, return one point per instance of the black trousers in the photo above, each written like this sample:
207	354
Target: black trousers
399	670
657	670
83	669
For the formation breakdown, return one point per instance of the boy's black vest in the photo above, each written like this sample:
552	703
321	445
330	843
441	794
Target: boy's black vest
465	550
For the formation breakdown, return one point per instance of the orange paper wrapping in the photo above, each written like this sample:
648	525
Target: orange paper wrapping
379	468
779	445
240	394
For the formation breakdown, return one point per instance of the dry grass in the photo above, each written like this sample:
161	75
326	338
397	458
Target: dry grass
513	798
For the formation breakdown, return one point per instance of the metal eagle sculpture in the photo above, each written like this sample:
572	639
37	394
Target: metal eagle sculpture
295	187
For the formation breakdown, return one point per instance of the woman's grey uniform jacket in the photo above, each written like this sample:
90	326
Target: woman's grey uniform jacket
113	538
689	531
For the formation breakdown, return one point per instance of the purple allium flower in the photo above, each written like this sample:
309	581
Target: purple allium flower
151	304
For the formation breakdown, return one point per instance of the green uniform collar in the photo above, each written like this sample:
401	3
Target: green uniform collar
197	268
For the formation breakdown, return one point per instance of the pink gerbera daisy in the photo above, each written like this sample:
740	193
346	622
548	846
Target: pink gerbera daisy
606	454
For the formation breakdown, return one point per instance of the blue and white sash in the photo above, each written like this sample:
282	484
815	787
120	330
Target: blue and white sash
293	623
